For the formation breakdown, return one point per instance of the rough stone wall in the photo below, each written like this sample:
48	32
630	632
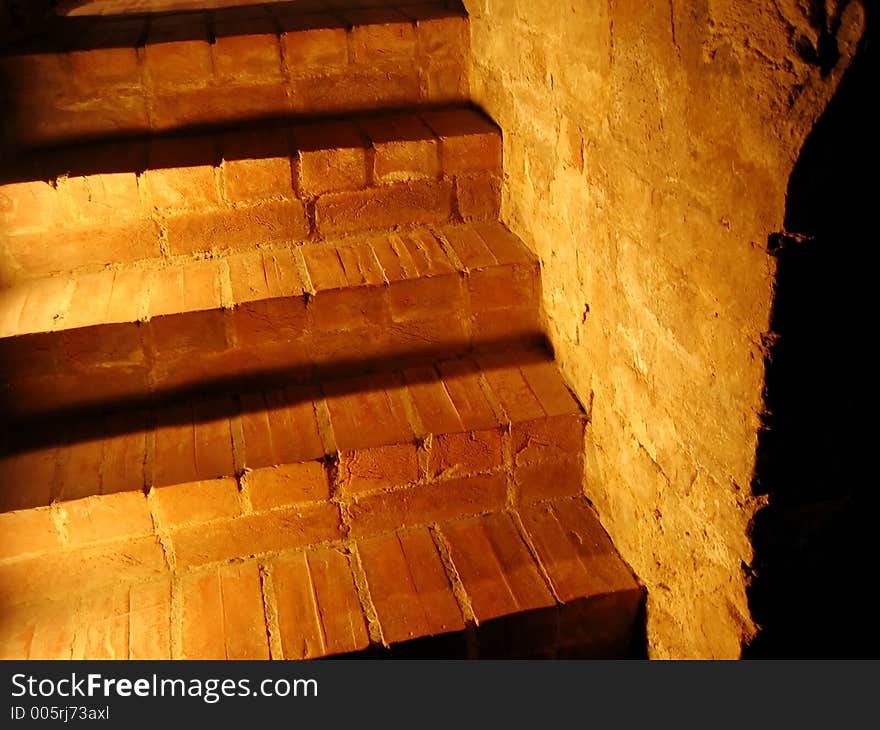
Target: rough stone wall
647	151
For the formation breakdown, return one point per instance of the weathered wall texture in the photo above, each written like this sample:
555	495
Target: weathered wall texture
647	151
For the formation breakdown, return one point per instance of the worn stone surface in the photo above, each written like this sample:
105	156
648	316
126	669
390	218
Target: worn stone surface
647	149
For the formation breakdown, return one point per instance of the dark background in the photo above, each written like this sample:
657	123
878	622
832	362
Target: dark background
815	562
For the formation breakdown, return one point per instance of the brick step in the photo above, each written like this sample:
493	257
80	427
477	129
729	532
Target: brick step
392	506
139	333
120	7
90	77
488	429
540	581
81	207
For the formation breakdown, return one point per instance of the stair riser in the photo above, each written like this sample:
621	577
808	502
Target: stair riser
312	602
466	417
380	488
99	365
281	194
186	71
217	520
299	337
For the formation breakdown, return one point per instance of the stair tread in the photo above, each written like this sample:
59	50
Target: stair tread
83	32
430	422
159	329
254	139
532	578
79	208
163	287
121	76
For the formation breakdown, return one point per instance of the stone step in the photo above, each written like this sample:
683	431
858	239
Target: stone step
537	581
80	208
138	332
94	76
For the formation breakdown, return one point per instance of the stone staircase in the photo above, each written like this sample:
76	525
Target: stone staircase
273	374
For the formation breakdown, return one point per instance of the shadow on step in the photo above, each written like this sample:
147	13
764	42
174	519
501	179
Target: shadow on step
221	392
140	73
59	456
208	144
593	628
223	11
72	28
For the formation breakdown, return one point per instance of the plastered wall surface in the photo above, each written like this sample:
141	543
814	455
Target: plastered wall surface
647	149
